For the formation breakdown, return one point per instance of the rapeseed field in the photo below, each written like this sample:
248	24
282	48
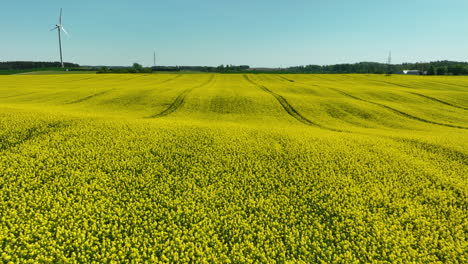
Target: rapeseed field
233	168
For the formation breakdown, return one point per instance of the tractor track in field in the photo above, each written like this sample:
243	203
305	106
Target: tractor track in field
378	81
438	100
87	78
396	110
96	77
445	152
449	84
29	134
89	97
107	91
320	77
133	78
171	79
418	94
409	87
405	86
18	95
289	80
290	110
286	79
180	99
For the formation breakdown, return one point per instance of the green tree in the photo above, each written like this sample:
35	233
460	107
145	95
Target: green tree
137	67
147	70
442	70
221	68
432	70
458	69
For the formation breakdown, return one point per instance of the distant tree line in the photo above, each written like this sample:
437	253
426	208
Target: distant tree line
21	65
455	69
167	68
220	69
136	68
231	68
429	68
361	67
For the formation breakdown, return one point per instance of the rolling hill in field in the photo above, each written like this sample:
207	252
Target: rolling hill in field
234	168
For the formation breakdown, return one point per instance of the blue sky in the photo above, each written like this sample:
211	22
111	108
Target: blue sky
257	32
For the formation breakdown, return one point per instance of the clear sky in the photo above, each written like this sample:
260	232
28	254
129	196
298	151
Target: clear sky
270	33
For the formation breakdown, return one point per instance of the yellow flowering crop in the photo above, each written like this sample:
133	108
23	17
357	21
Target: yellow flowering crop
212	168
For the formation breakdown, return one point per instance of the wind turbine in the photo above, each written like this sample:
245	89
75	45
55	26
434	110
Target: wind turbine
59	27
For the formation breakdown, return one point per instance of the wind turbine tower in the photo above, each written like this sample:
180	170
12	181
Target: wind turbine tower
154	59
59	28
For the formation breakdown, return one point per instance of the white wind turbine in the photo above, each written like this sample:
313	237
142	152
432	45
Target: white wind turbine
59	27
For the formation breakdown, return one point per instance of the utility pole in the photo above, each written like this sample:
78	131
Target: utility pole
389	61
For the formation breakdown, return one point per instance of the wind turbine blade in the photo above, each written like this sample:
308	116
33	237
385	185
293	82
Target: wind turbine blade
60	19
54	28
64	31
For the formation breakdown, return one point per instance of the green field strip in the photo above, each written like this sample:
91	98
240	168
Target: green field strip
180	99
289	108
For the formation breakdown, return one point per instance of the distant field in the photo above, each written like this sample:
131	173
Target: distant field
47	71
234	168
55	72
